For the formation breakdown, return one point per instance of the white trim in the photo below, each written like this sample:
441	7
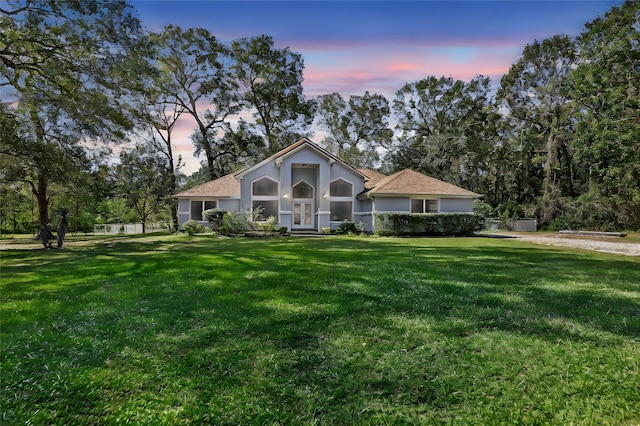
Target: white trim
312	216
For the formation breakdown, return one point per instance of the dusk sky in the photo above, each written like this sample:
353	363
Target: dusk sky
355	46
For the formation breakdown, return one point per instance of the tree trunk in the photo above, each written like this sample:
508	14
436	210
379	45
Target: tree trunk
173	203
550	202
43	202
174	215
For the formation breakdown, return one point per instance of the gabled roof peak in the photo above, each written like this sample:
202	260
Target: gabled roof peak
295	147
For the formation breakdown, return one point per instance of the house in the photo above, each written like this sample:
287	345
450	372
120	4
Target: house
307	188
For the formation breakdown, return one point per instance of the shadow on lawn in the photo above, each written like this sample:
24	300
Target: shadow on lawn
286	319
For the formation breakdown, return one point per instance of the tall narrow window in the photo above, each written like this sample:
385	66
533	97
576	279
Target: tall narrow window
264	198
196	210
341	204
417	206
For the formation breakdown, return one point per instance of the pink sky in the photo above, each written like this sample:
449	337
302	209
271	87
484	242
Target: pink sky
351	47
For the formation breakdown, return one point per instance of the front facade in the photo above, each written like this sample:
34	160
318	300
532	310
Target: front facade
306	188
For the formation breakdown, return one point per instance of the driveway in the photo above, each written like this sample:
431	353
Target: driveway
604	244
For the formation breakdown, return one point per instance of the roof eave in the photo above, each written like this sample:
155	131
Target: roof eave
372	194
217	197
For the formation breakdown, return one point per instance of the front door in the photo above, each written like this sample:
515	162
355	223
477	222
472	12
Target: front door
303	215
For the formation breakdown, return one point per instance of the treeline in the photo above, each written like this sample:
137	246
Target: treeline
559	139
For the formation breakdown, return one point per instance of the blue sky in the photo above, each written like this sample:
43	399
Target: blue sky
355	46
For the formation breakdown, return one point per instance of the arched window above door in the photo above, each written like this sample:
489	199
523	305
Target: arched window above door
302	190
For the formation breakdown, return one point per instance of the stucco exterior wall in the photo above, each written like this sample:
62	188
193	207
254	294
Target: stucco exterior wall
230	205
183	205
269	170
182	218
456	205
363	213
400	204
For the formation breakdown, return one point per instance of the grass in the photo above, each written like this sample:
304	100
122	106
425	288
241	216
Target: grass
170	330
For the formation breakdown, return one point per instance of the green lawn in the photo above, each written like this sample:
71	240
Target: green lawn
320	330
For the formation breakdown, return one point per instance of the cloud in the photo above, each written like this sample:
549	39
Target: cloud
351	47
376	69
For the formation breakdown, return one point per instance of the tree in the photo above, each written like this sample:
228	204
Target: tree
14	209
236	149
357	129
67	69
606	91
163	118
534	92
39	161
271	82
160	115
197	81
440	122
143	181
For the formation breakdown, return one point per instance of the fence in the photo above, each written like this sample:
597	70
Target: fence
519	225
126	228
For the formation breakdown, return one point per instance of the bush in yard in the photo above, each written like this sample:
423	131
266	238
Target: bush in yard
236	223
193	227
428	224
270	224
214	217
347	228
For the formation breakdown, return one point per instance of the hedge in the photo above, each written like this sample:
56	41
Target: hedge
428	224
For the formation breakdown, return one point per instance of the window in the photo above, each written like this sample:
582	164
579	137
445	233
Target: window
341	204
302	190
265	186
341	211
270	208
197	207
424	206
264	196
341	188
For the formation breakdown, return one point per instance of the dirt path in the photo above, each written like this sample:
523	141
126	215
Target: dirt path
603	244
